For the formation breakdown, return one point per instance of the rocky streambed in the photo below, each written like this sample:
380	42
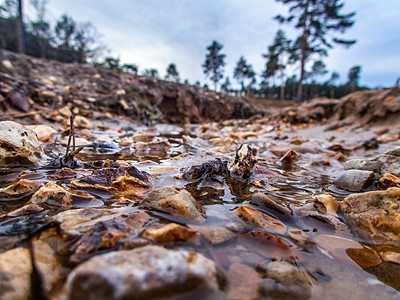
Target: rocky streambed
239	209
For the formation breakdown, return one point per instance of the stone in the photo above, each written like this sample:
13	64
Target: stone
387	138
82	122
289	156
55	196
18	145
375	215
19	190
7	65
391	256
121	181
48	94
42	131
255	218
268	202
144	273
244	282
214	234
355	180
388	180
170	233
15	274
175	202
329	203
285	281
143	137
389	162
243	163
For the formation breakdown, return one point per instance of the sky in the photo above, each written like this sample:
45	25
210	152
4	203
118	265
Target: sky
155	33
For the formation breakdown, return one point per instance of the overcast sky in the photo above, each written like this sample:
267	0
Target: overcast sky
154	33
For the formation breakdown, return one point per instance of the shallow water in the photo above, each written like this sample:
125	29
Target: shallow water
331	268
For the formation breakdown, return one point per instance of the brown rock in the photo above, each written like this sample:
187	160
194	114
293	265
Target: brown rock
145	273
170	233
243	163
375	215
244	282
15	274
175	202
215	234
19	190
354	180
143	137
18	145
269	202
330	204
53	195
388	180
255	218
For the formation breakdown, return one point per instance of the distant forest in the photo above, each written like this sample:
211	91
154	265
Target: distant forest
71	42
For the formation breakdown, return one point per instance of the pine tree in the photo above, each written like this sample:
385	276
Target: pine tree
332	81
354	77
226	85
242	72
214	63
314	19
279	55
172	73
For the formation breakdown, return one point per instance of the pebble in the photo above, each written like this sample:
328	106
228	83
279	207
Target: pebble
355	180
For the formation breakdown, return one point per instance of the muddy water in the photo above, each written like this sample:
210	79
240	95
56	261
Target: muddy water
336	262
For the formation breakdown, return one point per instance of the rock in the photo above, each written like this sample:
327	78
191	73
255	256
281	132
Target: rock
54	196
170	233
145	273
19	190
355	180
269	246
42	131
121	181
387	138
269	202
329	203
255	218
118	231
389	162
375	215
48	94
215	234
15	274
347	251
7	65
285	281
82	122
243	163
162	169
391	256
388	180
18	145
143	137
244	282
18	98
289	156
152	149
175	202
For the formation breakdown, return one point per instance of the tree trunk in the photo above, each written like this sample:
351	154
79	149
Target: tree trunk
332	92
302	65
20	30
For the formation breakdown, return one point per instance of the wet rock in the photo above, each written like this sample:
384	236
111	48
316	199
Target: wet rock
243	163
124	181
175	202
285	281
119	231
143	137
19	190
387	138
215	234
355	180
389	162
269	246
388	180
52	195
18	99
329	203
289	157
152	149
244	282
144	273
42	131
170	233
269	202
391	256
327	223
375	215
25	210
255	218
347	251
82	122
15	274
18	145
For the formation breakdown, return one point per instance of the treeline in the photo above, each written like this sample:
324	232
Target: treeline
66	41
69	41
